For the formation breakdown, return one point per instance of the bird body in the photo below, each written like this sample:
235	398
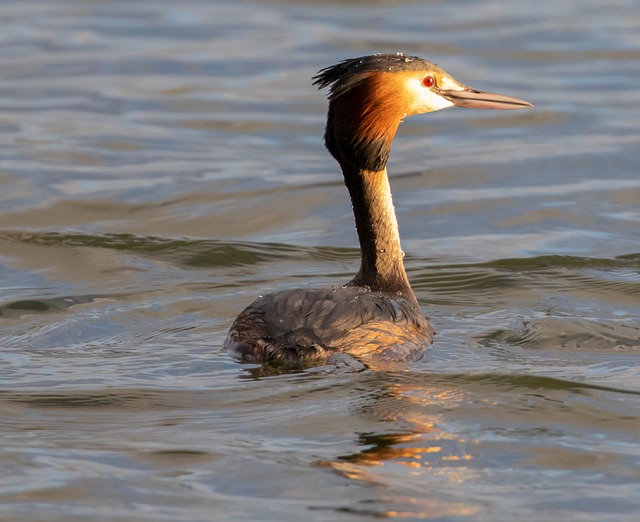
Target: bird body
376	314
312	324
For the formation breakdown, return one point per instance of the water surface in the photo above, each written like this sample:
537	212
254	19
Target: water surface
162	164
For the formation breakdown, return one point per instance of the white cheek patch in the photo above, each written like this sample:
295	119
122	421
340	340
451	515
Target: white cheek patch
425	100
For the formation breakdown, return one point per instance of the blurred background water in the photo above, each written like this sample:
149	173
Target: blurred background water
161	164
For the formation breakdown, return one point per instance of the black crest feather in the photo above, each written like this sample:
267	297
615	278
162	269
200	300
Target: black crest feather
342	76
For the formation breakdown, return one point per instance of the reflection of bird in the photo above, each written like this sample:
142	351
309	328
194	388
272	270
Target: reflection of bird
376	313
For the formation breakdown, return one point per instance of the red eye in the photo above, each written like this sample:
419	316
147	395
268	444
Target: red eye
428	81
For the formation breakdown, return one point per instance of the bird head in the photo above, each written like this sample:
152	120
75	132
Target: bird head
369	97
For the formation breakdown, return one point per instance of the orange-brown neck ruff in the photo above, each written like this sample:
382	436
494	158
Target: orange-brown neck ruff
363	121
366	104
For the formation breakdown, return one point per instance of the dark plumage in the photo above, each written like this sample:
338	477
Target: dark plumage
297	325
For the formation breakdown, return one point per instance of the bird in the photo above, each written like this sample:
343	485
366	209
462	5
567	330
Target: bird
376	315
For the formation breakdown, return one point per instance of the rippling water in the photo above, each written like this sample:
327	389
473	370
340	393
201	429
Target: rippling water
162	165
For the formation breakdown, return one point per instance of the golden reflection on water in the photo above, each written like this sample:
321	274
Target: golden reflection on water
434	509
425	447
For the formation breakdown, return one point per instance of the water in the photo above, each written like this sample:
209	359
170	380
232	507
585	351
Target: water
162	165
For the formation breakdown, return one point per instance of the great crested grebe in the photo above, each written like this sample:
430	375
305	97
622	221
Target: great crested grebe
376	313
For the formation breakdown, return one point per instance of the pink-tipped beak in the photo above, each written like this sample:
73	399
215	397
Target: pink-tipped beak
473	99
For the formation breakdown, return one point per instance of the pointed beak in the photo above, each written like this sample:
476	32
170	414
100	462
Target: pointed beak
473	99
